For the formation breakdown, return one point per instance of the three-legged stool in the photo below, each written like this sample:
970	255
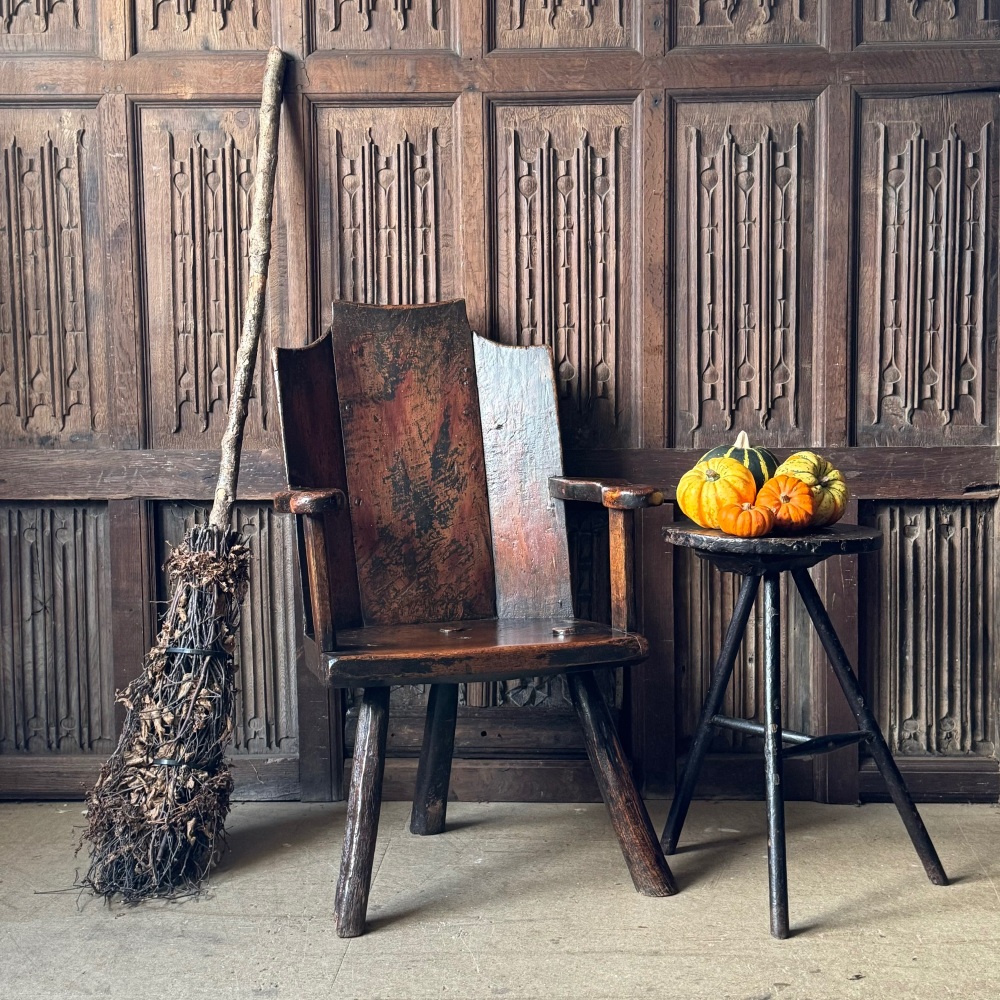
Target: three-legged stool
766	558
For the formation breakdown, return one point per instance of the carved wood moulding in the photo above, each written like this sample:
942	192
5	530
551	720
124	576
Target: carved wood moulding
565	250
895	21
379	25
202	25
931	662
387	216
746	22
928	280
56	678
742	227
268	640
37	26
197	168
595	24
52	360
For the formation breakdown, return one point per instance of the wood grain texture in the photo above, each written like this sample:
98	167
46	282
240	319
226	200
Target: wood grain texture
928	21
50	27
202	25
747	22
542	24
378	25
430	796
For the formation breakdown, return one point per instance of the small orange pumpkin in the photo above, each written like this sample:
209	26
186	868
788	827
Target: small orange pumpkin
790	500
746	520
712	484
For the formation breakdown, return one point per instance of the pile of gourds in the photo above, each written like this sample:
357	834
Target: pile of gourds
744	491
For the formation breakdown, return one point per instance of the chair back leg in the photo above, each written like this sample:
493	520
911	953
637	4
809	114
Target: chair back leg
430	797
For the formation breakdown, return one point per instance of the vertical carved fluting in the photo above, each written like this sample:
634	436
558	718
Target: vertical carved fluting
553	7
747	22
935	645
56	683
380	25
744	205
932	309
200	25
930	20
366	8
729	8
220	10
37	11
44	343
562	23
211	192
267	642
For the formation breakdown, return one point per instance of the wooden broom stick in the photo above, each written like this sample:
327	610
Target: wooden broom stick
253	316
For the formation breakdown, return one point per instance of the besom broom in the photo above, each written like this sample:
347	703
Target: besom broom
155	816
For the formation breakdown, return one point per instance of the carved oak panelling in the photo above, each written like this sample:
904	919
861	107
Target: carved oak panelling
201	25
56	677
197	169
387	215
928	283
563	24
746	22
933	653
895	21
268	643
365	25
743	227
565	250
52	357
56	26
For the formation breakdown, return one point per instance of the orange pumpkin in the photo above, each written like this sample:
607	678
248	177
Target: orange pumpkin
710	485
790	500
746	520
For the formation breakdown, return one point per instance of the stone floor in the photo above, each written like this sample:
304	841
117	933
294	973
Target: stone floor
518	901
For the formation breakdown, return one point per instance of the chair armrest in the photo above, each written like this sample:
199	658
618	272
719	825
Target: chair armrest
615	494
309	501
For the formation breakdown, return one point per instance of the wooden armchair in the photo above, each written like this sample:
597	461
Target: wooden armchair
423	462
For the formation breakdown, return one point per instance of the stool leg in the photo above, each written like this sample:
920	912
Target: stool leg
776	866
430	797
713	703
867	723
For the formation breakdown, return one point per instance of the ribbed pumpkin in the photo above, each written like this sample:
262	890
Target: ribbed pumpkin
710	485
759	461
746	520
827	484
790	500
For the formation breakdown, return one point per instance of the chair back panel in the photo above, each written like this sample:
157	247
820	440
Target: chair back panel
415	472
517	401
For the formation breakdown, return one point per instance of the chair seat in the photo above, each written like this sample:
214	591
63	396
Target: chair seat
480	650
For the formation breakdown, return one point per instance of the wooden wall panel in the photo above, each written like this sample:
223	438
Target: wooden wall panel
53	351
747	22
534	24
927	304
387	215
564	248
200	25
56	678
743	327
197	166
929	612
47	26
922	21
270	633
373	25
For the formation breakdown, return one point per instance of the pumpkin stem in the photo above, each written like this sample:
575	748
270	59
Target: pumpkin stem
742	440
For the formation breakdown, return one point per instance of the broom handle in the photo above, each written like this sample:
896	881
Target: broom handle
253	315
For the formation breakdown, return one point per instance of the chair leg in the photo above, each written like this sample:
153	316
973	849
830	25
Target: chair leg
363	807
430	797
643	855
867	723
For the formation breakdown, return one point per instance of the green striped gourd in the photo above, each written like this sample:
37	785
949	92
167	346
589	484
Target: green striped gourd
761	463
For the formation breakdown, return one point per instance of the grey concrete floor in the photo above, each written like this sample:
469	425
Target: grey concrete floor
518	901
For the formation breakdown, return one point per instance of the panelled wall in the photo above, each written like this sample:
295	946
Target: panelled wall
778	216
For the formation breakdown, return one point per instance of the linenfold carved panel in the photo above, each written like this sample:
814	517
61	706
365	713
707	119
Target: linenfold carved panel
746	22
64	26
201	25
387	226
268	642
927	303
918	21
56	676
932	654
533	24
743	323
373	25
52	381
565	250
197	184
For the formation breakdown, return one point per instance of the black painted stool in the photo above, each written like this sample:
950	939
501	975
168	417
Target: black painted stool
754	558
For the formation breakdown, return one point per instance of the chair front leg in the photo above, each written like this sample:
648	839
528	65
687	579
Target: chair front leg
643	854
363	808
430	797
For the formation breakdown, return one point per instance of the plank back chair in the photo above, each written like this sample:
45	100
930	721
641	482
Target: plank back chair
424	465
